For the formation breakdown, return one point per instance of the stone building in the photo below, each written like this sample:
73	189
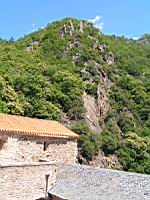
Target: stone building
27	181
54	181
24	139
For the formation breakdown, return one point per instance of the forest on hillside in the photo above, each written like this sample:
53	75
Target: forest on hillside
53	73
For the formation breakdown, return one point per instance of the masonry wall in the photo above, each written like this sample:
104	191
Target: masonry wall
26	182
57	198
21	149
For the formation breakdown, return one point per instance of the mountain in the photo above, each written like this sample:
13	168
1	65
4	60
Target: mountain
97	85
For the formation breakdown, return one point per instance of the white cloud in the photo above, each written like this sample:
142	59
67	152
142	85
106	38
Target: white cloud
96	19
135	38
42	27
100	25
33	25
97	22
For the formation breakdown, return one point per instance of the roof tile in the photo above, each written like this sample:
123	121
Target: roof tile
12	124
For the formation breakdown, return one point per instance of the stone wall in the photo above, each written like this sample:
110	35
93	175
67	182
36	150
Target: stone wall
22	149
57	198
26	182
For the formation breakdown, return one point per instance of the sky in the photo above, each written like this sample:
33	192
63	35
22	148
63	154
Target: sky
130	18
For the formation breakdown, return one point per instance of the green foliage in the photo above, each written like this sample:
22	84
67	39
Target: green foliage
143	131
80	128
135	154
91	88
146	36
45	74
109	143
3	107
89	142
126	122
45	110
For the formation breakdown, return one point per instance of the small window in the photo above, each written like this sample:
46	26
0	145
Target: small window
1	143
45	146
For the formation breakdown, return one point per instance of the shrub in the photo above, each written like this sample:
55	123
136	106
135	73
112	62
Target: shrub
90	145
80	128
91	88
135	154
109	144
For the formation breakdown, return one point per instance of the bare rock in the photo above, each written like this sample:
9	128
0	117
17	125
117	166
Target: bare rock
99	47
92	112
30	48
35	43
71	25
68	29
32	45
110	161
72	44
65	120
81	27
105	81
96	109
83	24
103	104
75	58
108	58
142	41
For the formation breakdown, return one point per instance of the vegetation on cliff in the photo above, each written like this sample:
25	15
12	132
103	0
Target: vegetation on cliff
46	74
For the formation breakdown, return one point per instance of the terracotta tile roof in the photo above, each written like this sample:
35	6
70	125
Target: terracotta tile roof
12	124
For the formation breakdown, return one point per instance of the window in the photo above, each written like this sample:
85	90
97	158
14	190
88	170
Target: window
0	144
3	140
45	146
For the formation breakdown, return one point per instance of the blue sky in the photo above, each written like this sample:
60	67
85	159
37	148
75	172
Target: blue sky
121	17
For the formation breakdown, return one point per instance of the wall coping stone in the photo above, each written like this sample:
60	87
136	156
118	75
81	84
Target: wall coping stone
29	164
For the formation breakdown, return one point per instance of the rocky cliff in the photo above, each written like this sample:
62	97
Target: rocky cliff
97	85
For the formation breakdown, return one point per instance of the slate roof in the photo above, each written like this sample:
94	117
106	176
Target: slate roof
17	125
78	182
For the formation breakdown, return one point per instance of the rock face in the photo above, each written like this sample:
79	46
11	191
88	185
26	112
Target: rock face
103	104
92	112
99	47
32	46
81	26
110	161
72	44
143	41
97	108
68	28
108	58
